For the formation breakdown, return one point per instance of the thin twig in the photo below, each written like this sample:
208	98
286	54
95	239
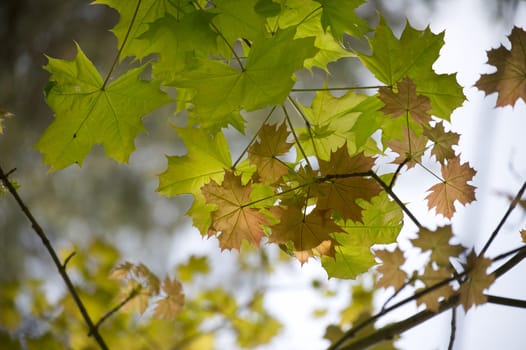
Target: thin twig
506	301
92	330
512	206
453	331
132	295
394	329
65	264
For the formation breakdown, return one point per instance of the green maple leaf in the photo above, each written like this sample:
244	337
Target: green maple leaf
175	41
88	113
340	16
382	222
207	158
221	91
142	13
331	120
413	55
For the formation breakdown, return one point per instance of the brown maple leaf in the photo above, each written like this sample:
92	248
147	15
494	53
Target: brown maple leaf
390	270
523	236
430	278
438	243
454	188
509	81
263	153
405	102
340	190
306	232
172	303
234	219
472	290
443	142
410	150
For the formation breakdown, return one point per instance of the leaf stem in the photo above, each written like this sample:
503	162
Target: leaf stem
92	329
132	295
124	41
300	147
343	88
307	123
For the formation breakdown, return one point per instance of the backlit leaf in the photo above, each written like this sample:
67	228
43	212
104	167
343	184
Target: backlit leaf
410	149
430	278
391	273
170	305
88	113
340	16
405	102
509	81
438	243
454	188
234	220
478	280
443	142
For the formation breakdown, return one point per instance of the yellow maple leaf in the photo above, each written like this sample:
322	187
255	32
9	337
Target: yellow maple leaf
169	306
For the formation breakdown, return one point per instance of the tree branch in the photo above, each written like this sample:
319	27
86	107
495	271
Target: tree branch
92	330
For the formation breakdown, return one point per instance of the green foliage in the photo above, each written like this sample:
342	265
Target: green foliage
313	178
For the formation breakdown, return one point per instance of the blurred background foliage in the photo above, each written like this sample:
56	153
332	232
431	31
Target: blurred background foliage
111	211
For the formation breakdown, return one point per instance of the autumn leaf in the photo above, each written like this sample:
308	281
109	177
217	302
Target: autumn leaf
454	188
509	81
430	278
264	152
340	189
234	219
438	243
304	231
523	236
391	273
443	142
171	304
472	290
410	149
136	296
405	101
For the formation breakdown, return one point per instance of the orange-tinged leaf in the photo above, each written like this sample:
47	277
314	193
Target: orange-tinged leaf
306	232
122	270
472	290
443	142
430	278
169	306
410	150
454	188
509	81
523	236
405	102
340	192
233	218
438	243
390	270
263	153
139	300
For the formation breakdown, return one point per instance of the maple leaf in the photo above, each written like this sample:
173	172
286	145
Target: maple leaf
171	304
263	153
410	150
438	243
304	231
234	218
454	188
206	160
339	192
331	120
430	278
122	271
509	81
136	295
143	12
391	273
443	142
195	265
175	40
523	236
405	101
472	289
340	16
221	90
413	56
382	222
89	113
